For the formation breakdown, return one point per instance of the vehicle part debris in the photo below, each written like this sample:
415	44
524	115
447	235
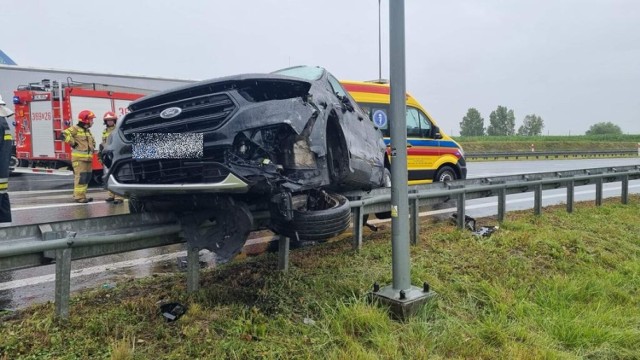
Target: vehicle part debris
470	224
172	311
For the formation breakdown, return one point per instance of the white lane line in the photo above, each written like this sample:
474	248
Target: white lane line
91	270
52	206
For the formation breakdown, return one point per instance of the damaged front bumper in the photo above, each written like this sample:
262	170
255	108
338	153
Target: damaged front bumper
230	184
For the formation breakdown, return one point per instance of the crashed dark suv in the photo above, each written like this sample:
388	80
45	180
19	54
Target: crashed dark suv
220	151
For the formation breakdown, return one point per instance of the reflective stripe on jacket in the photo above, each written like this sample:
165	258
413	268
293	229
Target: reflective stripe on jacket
105	134
81	141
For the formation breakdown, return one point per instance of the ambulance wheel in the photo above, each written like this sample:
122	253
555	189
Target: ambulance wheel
445	173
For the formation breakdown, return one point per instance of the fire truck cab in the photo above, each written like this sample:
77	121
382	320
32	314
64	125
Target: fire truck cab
43	110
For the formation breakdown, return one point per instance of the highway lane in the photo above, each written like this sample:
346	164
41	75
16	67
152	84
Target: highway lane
20	288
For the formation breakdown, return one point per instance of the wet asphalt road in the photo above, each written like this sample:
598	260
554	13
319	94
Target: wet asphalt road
46	198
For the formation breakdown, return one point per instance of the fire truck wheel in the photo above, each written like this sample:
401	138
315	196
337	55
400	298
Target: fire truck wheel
14	162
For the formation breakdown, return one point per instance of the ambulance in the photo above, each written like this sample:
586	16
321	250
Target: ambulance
431	154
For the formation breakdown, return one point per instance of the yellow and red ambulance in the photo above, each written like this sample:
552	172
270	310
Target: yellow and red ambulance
431	154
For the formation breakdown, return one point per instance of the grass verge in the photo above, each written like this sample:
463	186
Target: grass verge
561	286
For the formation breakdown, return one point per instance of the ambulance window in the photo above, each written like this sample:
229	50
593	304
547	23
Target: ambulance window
418	125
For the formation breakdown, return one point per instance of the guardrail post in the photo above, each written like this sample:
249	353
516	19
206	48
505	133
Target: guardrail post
570	195
193	269
599	191
358	224
502	203
537	199
283	253
461	210
63	270
414	230
625	189
63	282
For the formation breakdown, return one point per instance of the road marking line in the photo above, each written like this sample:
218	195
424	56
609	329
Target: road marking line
91	270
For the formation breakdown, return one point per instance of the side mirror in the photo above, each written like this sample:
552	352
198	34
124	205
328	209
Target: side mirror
436	132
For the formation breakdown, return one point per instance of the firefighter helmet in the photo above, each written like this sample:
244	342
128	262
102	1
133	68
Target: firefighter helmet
109	116
85	116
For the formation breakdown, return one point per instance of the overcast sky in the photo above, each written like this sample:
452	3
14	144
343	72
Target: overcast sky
572	62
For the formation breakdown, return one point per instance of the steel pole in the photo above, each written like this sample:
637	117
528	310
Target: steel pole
380	46
398	127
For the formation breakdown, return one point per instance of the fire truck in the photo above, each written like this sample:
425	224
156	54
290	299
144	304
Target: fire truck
43	110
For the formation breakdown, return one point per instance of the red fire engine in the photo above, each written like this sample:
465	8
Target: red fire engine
43	110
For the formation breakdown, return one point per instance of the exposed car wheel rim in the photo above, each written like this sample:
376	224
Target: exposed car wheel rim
329	218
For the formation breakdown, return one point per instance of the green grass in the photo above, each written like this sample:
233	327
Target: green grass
555	286
548	143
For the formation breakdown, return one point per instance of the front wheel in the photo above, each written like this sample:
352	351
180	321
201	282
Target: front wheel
445	173
317	215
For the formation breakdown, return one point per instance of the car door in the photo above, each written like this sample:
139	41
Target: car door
423	150
364	140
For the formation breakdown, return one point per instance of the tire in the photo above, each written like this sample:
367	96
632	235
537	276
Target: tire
332	218
14	162
445	173
387	183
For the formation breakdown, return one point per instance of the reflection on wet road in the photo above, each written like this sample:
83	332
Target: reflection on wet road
37	200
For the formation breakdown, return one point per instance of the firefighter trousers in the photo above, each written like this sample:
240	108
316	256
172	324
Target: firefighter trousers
81	177
5	158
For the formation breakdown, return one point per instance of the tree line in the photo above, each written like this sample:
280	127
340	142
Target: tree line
502	122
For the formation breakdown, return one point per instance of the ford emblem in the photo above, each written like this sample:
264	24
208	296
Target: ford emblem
171	112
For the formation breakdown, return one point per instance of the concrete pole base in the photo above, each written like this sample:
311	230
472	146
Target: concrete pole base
402	304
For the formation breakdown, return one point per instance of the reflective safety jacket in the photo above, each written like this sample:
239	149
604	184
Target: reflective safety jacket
105	134
5	133
81	142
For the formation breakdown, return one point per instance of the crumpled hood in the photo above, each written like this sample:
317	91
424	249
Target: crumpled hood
253	87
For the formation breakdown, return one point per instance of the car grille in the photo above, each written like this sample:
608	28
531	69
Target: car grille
171	171
199	114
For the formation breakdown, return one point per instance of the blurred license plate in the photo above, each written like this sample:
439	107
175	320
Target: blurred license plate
167	146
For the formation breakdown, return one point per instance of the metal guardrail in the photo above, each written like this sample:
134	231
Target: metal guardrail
568	154
61	242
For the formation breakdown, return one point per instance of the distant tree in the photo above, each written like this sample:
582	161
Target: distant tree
531	126
502	122
604	128
472	124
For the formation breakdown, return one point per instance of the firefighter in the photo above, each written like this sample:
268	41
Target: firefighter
109	119
6	143
82	143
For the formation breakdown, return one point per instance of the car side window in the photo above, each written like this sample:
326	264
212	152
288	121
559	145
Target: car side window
336	87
